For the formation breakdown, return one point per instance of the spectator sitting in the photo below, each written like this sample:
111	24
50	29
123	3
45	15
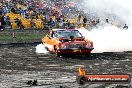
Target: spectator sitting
93	22
1	10
19	23
125	27
32	23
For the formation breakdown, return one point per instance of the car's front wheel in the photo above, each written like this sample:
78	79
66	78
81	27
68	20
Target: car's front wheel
87	55
57	54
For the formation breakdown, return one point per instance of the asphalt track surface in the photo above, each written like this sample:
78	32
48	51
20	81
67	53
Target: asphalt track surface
21	64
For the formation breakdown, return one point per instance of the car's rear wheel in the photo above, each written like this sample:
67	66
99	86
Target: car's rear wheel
57	53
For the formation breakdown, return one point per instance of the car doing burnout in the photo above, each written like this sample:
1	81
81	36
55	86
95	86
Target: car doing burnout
66	42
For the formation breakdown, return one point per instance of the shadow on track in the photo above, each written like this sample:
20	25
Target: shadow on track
77	57
100	56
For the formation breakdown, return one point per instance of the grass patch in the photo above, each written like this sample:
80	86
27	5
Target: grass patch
22	35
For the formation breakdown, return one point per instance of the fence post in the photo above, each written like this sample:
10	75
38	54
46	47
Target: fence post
13	34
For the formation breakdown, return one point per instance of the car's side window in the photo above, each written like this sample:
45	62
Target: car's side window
55	35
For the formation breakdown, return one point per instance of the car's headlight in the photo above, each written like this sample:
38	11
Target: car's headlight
63	46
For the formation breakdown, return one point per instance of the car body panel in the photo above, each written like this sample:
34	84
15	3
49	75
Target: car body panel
67	41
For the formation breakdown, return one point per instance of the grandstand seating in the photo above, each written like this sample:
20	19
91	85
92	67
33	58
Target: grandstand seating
25	22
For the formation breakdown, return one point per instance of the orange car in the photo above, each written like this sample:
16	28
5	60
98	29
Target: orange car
66	42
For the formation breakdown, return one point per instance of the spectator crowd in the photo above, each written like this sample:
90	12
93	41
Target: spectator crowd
49	14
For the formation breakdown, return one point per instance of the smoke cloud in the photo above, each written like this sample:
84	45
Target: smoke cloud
113	9
106	37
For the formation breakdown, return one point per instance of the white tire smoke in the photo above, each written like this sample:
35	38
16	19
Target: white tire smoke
41	49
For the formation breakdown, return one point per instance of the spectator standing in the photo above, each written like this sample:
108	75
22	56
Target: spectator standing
0	24
97	21
79	19
3	22
50	23
84	21
107	21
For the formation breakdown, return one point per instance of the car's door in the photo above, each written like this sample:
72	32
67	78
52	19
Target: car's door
53	41
50	41
45	40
